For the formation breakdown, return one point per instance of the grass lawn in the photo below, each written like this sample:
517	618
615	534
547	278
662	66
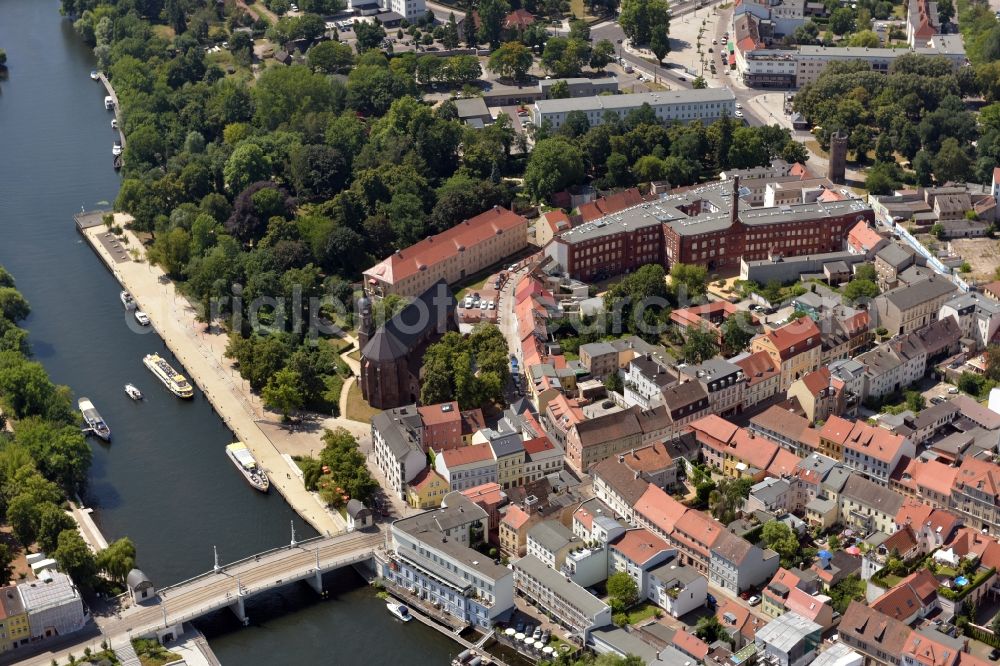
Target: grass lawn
813	146
356	355
475	286
357	408
151	653
892	580
164	31
946	571
642	612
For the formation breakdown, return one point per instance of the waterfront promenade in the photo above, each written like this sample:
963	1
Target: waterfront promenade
203	357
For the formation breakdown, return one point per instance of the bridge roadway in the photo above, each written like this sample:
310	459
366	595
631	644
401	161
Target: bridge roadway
234	583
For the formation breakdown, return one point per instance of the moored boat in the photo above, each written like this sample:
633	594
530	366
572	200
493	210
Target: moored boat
173	380
399	610
94	75
132	391
127	300
92	418
247	464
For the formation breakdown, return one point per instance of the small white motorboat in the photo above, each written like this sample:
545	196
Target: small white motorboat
116	148
127	300
399	610
132	391
141	317
114	123
94	75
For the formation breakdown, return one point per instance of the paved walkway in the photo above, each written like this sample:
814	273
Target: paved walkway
203	357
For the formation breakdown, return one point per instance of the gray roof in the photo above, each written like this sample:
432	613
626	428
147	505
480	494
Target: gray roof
787	631
821	505
863	52
770	489
872	495
456	510
634	100
628	642
836	478
355	508
399	428
836	655
672	571
137	578
552	535
974	302
396	338
598	348
471	107
895	255
570	592
817	463
914	294
503	443
39	595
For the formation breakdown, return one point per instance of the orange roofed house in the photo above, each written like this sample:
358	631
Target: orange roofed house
452	255
795	347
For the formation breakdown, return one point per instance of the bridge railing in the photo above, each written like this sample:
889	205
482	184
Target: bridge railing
249	558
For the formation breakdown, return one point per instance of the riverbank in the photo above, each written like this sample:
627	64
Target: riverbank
203	357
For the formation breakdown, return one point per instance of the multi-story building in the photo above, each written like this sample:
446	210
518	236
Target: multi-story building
871	451
15	630
893	365
636	553
467	467
911	307
541	458
868	505
702	226
812	60
618	486
452	255
644	381
763	377
978	316
677	589
568	603
593	440
433	555
444	425
508	451
791	431
736	564
399	453
53	605
706	105
426	490
790	640
599	358
513	531
818	394
411	10
877	636
976	494
794	347
723	381
550	541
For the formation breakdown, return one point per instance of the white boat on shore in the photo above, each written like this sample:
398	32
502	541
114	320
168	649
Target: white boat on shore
92	418
247	464
399	610
127	300
173	380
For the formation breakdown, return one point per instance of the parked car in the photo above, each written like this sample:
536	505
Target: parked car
953	390
711	600
483	305
538	634
493	305
519	627
754	600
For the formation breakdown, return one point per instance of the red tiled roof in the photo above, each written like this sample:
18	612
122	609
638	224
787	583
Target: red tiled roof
538	445
804	604
488	493
426	254
817	380
755	451
519	18
979	474
607	205
515	517
795	337
424	477
836	429
467	455
758	367
715	427
922	648
640	545
784	463
875	442
438	414
690	644
660	509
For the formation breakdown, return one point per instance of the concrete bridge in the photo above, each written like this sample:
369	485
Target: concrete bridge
229	586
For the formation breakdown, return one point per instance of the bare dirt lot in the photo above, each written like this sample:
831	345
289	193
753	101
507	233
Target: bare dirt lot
983	254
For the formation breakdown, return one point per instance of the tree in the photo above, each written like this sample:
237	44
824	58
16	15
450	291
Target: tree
450	37
491	16
511	60
623	588
709	629
864	39
946	11
952	163
13	306
727	499
639	300
858	289
640	18
554	165
689	281
737	331
699	83
699	346
602	54
914	401
842	21
283	392
62	453
118	559
318	171
51	521
369	35
75	558
780	538
247	164
565	57
659	44
847	590
559	90
6	556
330	57
882	178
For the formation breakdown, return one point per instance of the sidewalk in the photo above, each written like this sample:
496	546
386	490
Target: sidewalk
203	357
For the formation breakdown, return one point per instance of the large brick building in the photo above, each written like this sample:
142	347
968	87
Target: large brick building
702	226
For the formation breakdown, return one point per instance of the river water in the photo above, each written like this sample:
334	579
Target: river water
164	481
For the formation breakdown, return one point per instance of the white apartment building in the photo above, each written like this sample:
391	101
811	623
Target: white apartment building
707	105
397	448
568	603
53	605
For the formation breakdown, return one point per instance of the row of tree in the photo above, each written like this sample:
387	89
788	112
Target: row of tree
471	369
45	460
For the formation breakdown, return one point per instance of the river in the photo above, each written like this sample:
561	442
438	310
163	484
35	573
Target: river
164	481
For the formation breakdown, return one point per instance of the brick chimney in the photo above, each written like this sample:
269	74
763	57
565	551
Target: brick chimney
736	200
